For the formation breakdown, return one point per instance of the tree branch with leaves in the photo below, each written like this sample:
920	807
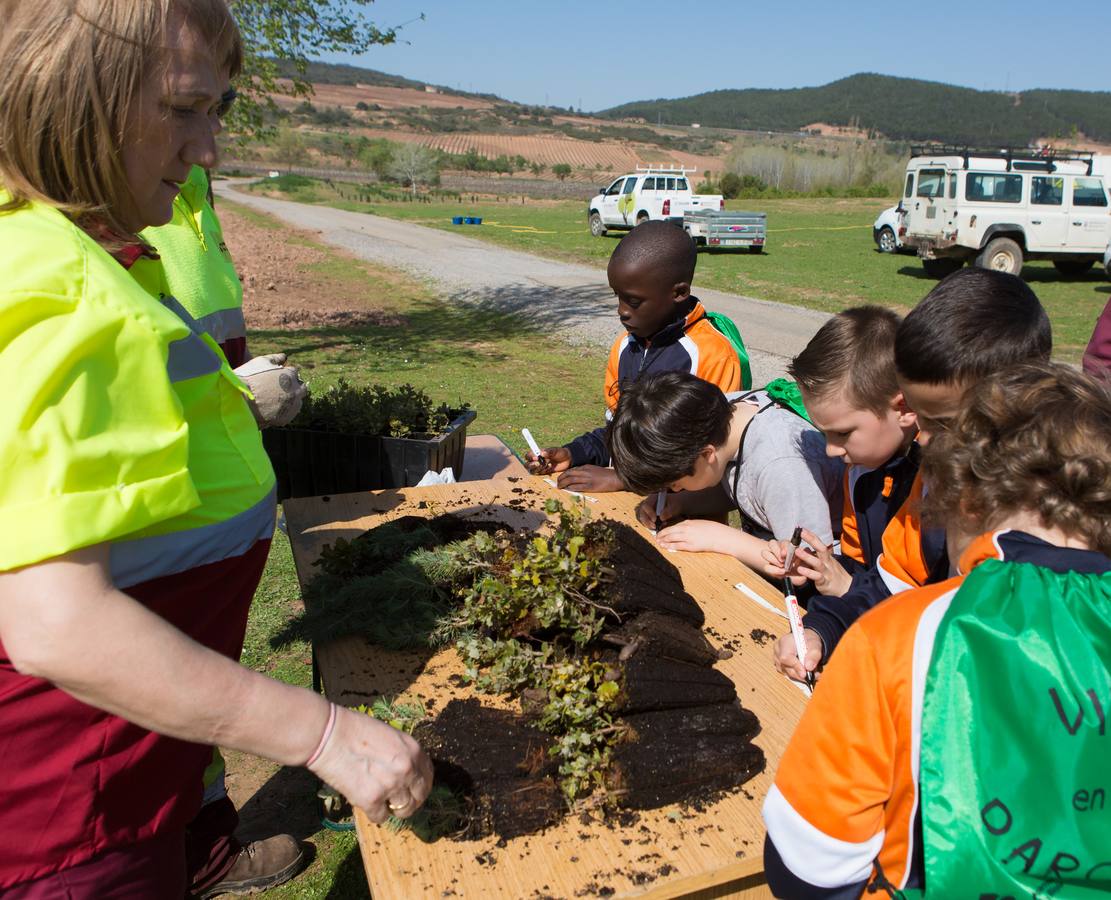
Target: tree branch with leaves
280	37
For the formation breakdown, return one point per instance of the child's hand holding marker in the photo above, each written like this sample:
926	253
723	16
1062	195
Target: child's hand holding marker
805	660
815	563
658	508
545	462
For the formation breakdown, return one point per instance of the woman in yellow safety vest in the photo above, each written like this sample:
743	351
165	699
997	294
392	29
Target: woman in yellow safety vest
136	503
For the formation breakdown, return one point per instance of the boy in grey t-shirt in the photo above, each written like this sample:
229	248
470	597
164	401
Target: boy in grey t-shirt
716	453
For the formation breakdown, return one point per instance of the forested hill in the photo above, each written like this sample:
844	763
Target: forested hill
338	73
898	108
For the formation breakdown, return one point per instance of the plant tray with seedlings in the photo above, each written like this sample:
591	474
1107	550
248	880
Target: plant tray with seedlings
366	438
607	696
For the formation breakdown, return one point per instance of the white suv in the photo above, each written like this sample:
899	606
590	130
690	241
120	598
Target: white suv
886	228
998	208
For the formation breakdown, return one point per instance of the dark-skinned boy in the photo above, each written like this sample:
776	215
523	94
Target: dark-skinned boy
666	330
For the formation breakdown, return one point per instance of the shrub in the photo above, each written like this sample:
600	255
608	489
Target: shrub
561	170
374	410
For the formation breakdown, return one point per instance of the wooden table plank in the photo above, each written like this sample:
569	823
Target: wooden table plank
486	457
670	852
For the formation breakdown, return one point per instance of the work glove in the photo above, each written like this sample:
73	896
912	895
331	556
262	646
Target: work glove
278	389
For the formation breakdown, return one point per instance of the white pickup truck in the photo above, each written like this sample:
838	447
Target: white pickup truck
652	192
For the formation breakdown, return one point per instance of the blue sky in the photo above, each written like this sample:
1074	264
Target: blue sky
599	54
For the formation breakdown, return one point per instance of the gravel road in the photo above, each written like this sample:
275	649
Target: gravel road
571	300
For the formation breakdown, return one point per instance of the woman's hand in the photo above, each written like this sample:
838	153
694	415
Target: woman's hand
379	769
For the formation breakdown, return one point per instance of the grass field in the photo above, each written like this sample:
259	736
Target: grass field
512	375
820	254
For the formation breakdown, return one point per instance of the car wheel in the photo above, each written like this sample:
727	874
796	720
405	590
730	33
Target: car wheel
886	240
642	217
1002	255
939	268
597	226
1073	267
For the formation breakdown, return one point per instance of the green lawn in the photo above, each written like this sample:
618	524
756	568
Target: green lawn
820	253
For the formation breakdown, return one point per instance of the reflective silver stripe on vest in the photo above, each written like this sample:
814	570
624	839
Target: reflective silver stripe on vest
174	306
191	358
141	559
224	324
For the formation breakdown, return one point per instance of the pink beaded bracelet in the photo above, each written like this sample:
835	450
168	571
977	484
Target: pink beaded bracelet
324	737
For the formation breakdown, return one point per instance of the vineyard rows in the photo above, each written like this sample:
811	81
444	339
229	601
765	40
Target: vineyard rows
615	156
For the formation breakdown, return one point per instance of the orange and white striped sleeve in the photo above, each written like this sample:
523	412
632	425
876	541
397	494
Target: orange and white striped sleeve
825	811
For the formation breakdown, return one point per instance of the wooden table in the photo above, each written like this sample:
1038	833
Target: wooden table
486	457
669	852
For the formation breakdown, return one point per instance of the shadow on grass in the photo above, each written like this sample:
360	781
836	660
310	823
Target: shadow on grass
1030	274
458	327
349	878
286	803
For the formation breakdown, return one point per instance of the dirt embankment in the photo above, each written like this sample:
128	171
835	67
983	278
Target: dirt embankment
280	289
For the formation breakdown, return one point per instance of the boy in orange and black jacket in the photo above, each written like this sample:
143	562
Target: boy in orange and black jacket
666	330
846	376
973	324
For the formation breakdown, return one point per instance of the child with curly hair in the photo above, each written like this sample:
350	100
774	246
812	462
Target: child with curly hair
957	741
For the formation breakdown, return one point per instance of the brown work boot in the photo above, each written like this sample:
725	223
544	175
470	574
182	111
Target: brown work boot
261	865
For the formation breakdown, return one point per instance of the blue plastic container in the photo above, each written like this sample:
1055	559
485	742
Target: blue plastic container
456	220
477	220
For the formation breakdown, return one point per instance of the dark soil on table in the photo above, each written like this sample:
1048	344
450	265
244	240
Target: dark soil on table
686	736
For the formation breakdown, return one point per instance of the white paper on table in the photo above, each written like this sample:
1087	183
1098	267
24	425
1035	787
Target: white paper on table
572	493
445	476
752	595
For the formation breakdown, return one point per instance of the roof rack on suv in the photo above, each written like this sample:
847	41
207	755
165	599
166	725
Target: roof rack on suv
1045	156
664	170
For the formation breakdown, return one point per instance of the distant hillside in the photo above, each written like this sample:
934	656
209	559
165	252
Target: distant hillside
898	108
336	73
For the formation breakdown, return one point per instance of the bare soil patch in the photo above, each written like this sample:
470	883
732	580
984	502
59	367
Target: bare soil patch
280	289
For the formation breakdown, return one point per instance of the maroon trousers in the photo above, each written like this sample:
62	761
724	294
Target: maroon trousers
211	847
152	868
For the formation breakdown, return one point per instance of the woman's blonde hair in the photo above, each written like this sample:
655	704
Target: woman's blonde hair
72	70
1032	438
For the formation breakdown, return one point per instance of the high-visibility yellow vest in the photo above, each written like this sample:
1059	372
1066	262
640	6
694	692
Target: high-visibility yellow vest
196	263
119	422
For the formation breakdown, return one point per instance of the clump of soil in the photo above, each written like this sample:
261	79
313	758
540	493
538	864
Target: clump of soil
470	745
761	637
